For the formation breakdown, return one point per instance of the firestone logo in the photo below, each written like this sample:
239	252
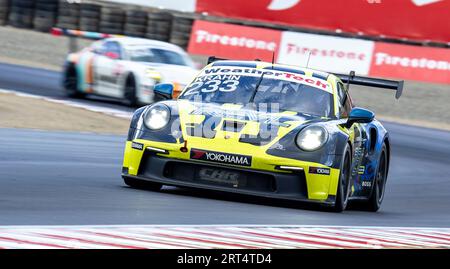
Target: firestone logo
235	41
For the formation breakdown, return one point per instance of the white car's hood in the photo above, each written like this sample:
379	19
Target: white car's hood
174	73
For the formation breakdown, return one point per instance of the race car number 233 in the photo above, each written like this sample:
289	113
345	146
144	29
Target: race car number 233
211	86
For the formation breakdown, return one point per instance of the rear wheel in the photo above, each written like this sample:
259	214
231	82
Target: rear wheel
142	184
71	83
379	184
344	186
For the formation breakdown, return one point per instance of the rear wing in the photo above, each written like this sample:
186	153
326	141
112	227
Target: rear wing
73	36
373	82
77	33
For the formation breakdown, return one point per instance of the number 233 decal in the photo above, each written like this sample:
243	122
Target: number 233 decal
212	86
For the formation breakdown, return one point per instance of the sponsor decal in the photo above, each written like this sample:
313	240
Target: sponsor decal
425	2
245	115
219	176
221	157
220	73
361	169
319	170
138	146
233	41
411	62
316	51
282	4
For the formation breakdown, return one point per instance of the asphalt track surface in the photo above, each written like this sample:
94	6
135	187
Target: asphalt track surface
62	178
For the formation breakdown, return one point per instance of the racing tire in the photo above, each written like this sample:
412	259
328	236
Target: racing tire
136	17
344	184
130	98
68	20
142	184
157	37
373	204
159	16
71	83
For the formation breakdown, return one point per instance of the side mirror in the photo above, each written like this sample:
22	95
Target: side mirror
360	115
164	91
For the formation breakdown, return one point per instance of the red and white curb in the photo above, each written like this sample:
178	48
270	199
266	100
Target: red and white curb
220	236
100	109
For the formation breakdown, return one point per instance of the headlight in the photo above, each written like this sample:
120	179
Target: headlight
312	138
157	117
153	74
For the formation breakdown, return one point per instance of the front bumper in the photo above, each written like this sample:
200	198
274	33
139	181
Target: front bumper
167	169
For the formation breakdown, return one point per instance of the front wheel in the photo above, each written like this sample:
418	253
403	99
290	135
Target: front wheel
344	185
130	98
71	83
142	184
379	184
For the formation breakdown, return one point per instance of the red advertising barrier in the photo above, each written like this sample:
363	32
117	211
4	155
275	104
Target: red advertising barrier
411	62
412	19
233	41
322	52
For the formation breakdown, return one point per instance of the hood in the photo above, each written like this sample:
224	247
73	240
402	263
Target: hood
234	128
174	73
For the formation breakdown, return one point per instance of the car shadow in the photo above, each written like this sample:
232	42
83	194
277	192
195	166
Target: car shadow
243	198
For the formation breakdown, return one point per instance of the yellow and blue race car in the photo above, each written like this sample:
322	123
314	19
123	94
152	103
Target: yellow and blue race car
263	129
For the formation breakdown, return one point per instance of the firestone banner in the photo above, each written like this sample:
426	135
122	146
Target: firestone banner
327	53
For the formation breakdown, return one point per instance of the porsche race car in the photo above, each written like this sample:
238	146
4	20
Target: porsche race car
263	129
127	68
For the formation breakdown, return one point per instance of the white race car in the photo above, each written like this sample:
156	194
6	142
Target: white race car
127	68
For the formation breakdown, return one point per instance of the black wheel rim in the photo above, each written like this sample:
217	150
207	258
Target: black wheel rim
381	178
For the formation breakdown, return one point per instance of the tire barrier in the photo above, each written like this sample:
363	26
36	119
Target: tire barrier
112	20
45	14
135	23
89	17
21	13
181	31
4	10
68	15
159	25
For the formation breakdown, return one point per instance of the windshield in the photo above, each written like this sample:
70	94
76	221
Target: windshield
155	55
286	91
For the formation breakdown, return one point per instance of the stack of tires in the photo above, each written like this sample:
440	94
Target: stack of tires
21	13
181	31
68	15
45	14
4	9
159	26
135	23
89	17
112	20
